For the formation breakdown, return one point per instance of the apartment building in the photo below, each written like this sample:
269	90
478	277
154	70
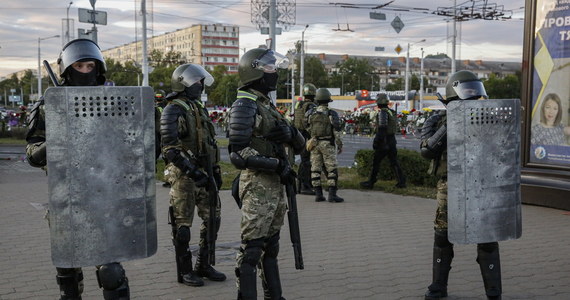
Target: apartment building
209	45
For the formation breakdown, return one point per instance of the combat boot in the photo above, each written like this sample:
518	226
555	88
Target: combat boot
306	190
70	283
490	265
367	184
332	195
184	271
400	177
442	257
204	269
319	194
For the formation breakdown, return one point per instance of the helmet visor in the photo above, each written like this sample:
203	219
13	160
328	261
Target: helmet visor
470	89
269	61
195	73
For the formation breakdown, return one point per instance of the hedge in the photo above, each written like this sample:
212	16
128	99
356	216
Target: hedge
413	165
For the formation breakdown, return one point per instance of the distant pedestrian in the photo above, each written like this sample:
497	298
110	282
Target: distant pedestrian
304	171
384	144
323	124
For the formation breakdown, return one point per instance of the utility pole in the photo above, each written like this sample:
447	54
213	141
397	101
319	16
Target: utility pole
144	45
302	82
421	80
407	81
272	21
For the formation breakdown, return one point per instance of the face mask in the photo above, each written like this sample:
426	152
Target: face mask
77	78
194	91
270	81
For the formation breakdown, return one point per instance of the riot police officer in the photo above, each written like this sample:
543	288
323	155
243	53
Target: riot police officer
323	125
385	144
462	85
188	142
304	172
80	64
258	135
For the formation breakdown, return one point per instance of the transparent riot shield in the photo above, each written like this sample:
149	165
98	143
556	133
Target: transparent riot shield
483	162
101	168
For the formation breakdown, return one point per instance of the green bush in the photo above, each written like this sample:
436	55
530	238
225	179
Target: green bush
18	133
413	165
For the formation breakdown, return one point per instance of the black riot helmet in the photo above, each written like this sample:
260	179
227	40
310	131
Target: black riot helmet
258	62
191	79
81	50
464	85
323	96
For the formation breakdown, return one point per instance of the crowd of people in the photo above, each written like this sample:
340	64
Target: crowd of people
262	145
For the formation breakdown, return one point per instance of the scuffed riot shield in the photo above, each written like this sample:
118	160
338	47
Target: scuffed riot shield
101	168
483	163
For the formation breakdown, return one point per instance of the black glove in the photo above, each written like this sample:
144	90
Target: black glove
217	176
281	133
200	178
286	174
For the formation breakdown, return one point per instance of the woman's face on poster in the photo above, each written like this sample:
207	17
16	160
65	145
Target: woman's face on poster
550	111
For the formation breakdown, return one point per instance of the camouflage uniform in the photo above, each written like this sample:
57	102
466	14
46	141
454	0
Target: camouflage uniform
188	144
258	138
327	136
305	185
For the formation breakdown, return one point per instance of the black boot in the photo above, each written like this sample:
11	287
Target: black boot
70	283
184	271
306	190
367	184
111	277
270	279
203	267
400	177
490	265
442	257
332	195
247	270
319	194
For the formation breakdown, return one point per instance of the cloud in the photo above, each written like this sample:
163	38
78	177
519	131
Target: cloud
23	22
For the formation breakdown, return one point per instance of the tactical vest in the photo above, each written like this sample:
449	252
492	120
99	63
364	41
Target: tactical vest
392	124
266	118
196	131
320	124
300	111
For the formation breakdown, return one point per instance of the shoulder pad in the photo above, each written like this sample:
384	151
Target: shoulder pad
181	104
334	119
242	120
430	126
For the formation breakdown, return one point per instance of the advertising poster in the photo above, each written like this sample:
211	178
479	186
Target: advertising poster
550	123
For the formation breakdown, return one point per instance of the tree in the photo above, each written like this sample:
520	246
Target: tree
508	87
225	92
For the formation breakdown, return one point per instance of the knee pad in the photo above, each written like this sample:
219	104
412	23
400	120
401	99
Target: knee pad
272	246
252	252
488	247
111	276
333	174
183	235
441	240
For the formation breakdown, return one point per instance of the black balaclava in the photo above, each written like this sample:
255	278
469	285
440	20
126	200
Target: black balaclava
310	98
194	92
266	84
76	78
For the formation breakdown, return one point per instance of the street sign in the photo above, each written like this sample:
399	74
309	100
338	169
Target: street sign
398	49
378	48
397	24
389	63
92	16
377	16
265	30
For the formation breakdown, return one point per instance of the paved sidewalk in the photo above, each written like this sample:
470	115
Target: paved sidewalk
373	246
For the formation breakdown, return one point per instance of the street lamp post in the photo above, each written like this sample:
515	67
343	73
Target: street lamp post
407	81
422	80
67	22
39	64
302	77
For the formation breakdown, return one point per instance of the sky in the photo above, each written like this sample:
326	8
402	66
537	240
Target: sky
22	23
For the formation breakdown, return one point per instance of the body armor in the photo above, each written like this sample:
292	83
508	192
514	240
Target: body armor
483	162
387	119
101	175
300	112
